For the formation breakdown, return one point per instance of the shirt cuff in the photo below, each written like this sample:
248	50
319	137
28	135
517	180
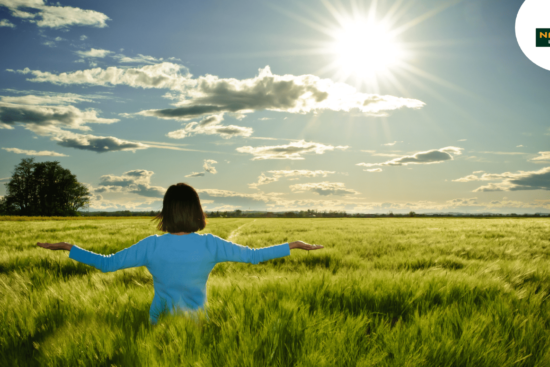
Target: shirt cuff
76	253
285	249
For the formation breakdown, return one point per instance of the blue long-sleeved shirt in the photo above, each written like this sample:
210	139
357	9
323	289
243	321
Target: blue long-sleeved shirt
180	265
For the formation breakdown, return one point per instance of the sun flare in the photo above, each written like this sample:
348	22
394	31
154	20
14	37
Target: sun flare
366	49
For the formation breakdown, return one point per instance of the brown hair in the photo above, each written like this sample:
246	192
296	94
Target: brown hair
181	210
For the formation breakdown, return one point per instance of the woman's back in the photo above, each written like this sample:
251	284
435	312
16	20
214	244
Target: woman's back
180	265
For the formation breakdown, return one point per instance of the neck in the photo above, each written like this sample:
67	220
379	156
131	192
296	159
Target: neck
180	233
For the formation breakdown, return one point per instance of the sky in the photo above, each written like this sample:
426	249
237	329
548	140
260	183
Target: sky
356	106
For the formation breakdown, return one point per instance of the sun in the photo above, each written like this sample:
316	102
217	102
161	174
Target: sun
366	49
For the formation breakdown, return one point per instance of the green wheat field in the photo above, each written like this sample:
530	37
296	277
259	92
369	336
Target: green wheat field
383	292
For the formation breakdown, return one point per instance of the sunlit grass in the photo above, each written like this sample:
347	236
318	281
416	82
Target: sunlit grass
385	292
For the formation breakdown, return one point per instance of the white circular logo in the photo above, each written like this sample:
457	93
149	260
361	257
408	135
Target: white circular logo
533	31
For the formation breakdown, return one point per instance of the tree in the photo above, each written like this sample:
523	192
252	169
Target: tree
44	189
3	209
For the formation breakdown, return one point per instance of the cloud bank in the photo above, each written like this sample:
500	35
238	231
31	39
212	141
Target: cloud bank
40	115
209	94
530	180
285	93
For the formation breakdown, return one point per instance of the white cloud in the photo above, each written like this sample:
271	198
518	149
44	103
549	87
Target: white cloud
83	37
209	166
211	125
196	174
428	157
263	180
392	144
41	116
42	153
165	75
54	16
48	99
98	144
6	23
135	181
94	52
324	188
544	157
141	59
277	174
530	180
374	170
293	151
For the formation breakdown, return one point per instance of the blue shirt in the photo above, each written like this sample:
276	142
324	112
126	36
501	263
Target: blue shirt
180	265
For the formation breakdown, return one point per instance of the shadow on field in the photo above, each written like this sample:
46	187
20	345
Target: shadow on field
67	229
329	260
449	263
53	267
22	341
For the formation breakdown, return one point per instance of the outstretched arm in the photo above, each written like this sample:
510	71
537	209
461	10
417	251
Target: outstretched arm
229	251
131	257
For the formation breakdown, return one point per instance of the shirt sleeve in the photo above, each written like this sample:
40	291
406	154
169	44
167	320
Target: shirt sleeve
131	257
229	251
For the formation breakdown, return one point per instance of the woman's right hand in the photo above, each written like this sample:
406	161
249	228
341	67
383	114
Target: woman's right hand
304	246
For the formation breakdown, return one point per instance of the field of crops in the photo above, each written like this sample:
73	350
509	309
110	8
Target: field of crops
384	292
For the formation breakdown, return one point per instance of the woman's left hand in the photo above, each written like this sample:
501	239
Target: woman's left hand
56	246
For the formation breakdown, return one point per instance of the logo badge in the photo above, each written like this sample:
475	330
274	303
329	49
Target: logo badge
533	17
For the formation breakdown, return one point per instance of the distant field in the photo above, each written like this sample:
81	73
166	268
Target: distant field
384	292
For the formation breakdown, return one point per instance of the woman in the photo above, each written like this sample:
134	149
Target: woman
180	260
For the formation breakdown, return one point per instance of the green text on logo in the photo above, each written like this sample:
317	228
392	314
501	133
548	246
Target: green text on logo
543	37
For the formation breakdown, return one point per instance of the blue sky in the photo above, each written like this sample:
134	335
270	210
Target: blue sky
359	106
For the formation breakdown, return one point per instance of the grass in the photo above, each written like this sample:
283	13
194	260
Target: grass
383	292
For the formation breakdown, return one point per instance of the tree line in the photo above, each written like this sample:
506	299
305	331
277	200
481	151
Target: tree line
43	189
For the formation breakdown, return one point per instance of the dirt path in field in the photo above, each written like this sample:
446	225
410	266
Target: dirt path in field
236	232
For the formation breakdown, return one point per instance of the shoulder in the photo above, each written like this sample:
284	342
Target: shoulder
207	237
152	239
